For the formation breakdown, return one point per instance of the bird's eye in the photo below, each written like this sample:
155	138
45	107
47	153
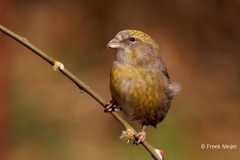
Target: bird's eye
132	39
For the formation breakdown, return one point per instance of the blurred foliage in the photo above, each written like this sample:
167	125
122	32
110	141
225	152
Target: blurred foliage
43	115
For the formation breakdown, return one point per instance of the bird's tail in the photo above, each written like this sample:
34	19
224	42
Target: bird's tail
175	88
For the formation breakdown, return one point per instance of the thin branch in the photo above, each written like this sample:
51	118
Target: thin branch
78	82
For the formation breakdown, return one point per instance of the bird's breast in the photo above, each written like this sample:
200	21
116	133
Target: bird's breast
138	92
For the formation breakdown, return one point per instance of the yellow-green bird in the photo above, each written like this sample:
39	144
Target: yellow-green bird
139	81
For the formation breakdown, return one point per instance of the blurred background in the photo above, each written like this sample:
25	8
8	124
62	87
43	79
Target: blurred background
43	115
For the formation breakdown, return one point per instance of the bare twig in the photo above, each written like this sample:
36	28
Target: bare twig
59	66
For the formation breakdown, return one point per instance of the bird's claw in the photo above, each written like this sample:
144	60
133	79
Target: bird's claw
140	138
111	106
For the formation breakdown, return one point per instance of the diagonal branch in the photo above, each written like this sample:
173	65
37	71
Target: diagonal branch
79	83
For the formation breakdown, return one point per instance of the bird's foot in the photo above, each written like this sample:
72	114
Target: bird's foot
140	138
111	106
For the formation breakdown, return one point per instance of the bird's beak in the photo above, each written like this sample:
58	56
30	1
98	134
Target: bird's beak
115	43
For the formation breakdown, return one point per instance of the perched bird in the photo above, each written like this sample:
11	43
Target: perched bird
139	81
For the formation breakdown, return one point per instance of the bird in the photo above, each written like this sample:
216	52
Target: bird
139	82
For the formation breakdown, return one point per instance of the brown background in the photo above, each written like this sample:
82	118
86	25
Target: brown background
43	115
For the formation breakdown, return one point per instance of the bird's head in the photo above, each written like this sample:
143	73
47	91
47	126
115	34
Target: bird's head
133	46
